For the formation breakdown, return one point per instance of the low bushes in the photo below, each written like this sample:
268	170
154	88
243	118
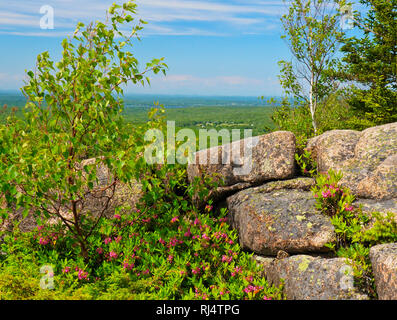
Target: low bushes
166	249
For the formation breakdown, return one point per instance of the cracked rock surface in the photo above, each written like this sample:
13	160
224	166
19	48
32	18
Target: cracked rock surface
280	216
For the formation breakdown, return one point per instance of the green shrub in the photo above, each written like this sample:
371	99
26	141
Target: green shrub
383	230
358	255
331	199
355	230
333	113
167	251
307	166
294	117
164	249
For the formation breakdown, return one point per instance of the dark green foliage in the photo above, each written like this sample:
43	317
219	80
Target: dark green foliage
335	113
370	62
307	166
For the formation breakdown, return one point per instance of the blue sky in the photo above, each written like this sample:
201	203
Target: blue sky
212	47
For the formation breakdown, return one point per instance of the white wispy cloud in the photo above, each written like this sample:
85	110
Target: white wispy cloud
209	6
171	17
44	33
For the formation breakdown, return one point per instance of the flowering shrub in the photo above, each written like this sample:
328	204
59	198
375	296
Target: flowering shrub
355	231
336	201
332	199
156	251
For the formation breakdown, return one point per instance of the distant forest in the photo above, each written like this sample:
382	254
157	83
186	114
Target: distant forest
195	112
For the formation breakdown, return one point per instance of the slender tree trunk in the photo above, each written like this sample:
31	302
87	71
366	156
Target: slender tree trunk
79	232
76	217
312	104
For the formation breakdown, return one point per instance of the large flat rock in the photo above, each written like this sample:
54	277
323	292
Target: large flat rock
312	278
280	215
332	148
384	265
367	159
247	162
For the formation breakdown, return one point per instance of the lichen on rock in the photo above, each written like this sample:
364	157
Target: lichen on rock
280	216
306	277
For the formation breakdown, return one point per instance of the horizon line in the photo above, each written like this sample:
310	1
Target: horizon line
17	91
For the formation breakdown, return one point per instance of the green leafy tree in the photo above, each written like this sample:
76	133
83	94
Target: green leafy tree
312	30
370	62
73	113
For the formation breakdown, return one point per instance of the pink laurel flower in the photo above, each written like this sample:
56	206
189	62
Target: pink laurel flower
326	194
205	237
226	259
173	242
236	271
82	274
112	255
174	219
196	270
43	241
188	233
